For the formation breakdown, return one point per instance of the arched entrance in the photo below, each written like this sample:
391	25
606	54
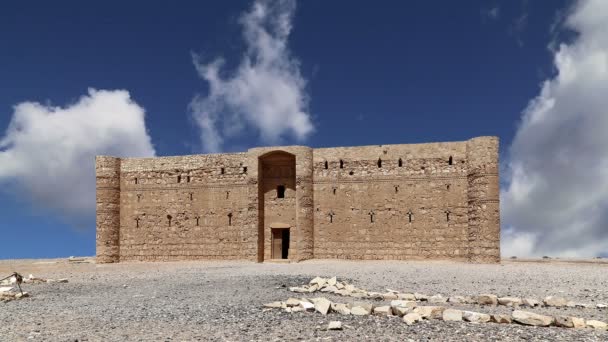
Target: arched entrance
277	203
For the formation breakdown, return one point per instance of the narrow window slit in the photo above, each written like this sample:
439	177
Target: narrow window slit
191	196
188	179
341	163
334	190
227	194
244	169
409	216
281	191
371	217
447	215
138	197
230	219
179	179
169	217
222	170
450	160
331	216
379	162
137	222
400	162
197	218
326	165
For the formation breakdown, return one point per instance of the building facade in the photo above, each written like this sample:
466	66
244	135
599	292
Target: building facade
414	201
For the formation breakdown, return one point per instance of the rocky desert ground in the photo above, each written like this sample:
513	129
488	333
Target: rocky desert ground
224	301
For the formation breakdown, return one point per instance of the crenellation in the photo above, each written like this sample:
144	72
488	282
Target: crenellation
434	200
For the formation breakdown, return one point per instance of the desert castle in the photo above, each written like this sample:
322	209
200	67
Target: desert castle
414	201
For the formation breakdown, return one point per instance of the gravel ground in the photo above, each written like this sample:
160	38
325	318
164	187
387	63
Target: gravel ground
185	301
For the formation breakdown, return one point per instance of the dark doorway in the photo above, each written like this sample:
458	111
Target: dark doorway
280	243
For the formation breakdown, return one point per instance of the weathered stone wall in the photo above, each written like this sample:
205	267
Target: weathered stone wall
391	202
436	200
191	207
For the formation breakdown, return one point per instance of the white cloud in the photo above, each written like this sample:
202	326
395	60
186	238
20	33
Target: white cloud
266	93
556	202
48	153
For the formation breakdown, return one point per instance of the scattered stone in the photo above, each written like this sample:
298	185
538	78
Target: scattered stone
475	317
435	312
597	325
531	302
318	281
403	303
401	311
564	322
421	297
332	281
437	299
487	299
601	306
21	295
292	302
329	288
406	296
322	305
457	299
361	309
555	301
383	310
340	308
334	325
298	289
412	318
529	318
452	315
578	323
510	301
389	296
499	318
306	305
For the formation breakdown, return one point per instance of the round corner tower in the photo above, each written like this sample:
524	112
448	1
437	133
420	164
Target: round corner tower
107	171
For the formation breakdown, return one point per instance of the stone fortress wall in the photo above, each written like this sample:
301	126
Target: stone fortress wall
416	201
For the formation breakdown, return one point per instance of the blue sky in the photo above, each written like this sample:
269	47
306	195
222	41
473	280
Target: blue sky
395	72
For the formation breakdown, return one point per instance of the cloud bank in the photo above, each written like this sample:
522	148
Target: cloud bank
48	153
556	202
265	94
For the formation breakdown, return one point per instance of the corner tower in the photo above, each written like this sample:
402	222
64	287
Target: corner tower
107	172
483	199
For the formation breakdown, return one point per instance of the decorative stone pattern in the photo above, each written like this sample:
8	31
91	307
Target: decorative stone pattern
420	201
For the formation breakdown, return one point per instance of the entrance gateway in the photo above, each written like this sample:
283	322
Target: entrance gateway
280	243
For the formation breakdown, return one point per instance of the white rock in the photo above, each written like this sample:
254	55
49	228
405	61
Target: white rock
437	299
389	296
340	308
322	305
359	311
578	323
292	302
530	318
403	303
334	325
452	315
318	281
307	305
500	318
555	301
411	318
6	289
297	309
457	299
383	310
22	295
421	297
564	322
597	325
406	296
531	302
487	299
401	311
601	306
330	288
510	301
430	311
475	317
332	281
298	289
